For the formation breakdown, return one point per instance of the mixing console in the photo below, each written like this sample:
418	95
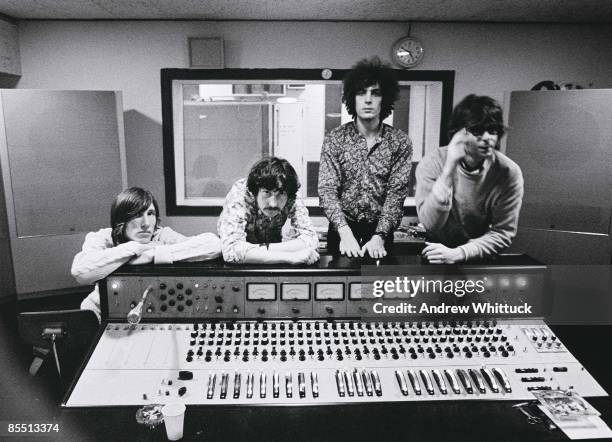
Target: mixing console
319	362
307	336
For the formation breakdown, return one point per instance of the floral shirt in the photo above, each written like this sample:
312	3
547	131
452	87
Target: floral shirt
242	226
361	184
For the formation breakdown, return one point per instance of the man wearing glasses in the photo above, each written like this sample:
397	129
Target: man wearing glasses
469	194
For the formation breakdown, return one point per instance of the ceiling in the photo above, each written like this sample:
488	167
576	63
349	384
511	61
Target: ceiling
513	11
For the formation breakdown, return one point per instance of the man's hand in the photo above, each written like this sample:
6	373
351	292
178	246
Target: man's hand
348	244
304	256
457	147
375	247
437	253
146	254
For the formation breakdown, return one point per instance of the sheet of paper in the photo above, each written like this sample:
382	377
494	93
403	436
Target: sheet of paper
591	427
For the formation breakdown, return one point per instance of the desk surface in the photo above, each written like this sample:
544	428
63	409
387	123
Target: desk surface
326	264
363	422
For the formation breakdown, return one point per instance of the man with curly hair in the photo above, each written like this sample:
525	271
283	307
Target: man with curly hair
365	166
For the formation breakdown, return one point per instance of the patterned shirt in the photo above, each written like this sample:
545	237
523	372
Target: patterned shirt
361	184
243	226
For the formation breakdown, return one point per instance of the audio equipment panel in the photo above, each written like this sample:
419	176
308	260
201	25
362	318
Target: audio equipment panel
316	362
203	293
210	333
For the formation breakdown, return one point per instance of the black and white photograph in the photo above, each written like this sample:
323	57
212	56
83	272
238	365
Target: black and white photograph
265	220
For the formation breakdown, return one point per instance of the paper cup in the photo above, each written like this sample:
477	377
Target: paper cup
174	416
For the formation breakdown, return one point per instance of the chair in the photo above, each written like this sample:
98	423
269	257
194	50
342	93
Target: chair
70	330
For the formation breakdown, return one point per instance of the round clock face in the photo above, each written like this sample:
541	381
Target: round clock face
408	52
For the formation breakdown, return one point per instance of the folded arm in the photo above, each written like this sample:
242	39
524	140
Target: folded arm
504	223
97	260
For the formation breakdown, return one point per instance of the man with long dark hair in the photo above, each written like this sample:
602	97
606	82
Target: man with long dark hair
135	236
255	211
365	166
468	193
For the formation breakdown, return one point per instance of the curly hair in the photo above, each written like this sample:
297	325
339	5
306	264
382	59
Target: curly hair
368	72
477	110
273	173
130	204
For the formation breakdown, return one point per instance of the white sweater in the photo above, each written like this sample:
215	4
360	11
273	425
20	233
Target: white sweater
99	258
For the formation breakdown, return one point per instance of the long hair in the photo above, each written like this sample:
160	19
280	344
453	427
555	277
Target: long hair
368	72
273	173
130	204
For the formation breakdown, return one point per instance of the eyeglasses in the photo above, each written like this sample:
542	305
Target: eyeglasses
478	131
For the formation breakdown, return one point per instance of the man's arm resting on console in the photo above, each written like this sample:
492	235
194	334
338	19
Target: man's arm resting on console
263	255
96	260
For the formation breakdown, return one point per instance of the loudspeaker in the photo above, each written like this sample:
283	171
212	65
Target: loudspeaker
206	53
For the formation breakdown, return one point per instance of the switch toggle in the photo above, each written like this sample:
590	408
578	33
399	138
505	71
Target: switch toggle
275	384
250	380
314	382
289	384
301	385
427	381
212	378
237	380
452	380
401	380
414	381
262	385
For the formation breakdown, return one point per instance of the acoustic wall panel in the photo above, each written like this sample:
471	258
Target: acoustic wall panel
63	162
561	140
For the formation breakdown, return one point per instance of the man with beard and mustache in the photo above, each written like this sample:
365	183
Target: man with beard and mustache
254	213
469	194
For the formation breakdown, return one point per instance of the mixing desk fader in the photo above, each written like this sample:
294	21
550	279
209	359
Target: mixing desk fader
279	337
318	362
